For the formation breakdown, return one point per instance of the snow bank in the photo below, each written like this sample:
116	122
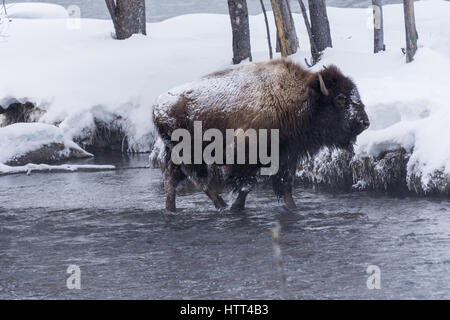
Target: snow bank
90	77
82	77
36	10
22	143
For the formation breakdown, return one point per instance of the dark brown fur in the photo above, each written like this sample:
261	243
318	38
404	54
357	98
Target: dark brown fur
270	95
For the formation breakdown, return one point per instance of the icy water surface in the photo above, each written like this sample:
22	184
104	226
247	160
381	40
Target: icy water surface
113	226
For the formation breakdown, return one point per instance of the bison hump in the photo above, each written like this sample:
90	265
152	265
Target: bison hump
247	89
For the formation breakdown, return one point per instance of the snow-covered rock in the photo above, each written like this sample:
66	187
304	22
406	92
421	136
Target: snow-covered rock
24	143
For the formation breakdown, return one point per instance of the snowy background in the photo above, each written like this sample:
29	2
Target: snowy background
78	76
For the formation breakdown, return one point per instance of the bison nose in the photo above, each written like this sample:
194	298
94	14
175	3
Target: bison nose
365	123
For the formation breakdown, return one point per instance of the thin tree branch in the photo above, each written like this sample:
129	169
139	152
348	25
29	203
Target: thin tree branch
314	52
267	29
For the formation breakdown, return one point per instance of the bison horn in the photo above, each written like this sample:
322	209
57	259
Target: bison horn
323	87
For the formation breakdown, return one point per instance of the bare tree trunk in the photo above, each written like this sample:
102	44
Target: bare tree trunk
379	45
314	52
263	7
320	25
241	30
288	40
128	17
292	22
411	31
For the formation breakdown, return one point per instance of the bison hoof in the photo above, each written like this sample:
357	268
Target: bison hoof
171	208
220	204
221	207
290	204
290	207
237	207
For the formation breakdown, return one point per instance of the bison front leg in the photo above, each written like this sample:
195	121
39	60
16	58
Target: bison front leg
239	203
288	199
243	190
282	185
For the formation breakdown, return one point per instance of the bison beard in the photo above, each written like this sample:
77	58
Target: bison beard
310	110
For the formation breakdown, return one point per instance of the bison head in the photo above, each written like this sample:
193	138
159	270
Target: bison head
338	114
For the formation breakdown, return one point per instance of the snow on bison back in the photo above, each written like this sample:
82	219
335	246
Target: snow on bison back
309	110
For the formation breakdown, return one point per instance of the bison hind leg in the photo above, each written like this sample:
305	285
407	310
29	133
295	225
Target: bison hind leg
206	186
170	190
239	203
172	177
289	201
218	201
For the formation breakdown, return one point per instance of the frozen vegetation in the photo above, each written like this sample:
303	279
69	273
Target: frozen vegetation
99	92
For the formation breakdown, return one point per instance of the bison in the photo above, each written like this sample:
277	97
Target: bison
310	110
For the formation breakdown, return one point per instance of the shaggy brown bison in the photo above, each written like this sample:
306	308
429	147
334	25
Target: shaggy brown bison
310	110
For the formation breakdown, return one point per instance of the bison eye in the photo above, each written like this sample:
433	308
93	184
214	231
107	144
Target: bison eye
340	101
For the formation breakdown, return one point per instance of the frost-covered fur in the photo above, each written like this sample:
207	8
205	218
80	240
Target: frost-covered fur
277	94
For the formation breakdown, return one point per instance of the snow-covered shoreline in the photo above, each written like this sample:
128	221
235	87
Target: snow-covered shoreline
29	168
82	79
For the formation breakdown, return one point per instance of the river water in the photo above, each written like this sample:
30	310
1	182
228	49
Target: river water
158	10
113	226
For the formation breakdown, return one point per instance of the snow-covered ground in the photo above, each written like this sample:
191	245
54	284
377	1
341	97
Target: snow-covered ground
81	75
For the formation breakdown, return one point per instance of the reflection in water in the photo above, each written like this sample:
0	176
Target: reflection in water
112	224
